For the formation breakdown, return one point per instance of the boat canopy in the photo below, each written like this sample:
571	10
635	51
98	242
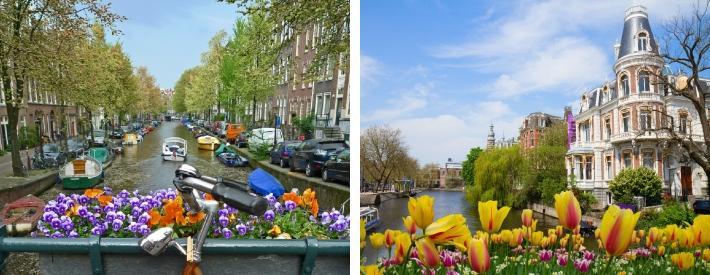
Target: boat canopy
223	148
263	183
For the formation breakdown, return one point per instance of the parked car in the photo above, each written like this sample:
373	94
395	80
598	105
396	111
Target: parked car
260	136
701	207
242	140
233	131
75	147
116	133
312	154
337	167
282	152
54	154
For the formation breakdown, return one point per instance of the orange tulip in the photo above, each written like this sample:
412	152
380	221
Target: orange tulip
491	217
402	244
617	228
568	211
427	252
390	236
448	228
93	193
683	260
410	225
527	217
421	210
478	256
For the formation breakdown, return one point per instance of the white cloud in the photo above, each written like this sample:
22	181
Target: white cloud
370	69
408	101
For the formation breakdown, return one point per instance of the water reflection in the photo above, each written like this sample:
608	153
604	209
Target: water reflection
445	202
140	167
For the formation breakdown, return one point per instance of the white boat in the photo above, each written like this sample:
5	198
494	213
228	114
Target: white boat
371	216
175	149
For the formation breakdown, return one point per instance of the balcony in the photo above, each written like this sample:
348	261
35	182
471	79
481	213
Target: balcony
642	97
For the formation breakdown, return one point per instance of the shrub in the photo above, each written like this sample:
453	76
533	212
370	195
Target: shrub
671	213
636	182
263	151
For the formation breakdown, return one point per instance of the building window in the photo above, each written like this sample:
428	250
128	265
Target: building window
588	168
644	82
584	130
608	167
578	164
625	121
643	42
648	159
624	85
607	128
645	120
683	123
627	159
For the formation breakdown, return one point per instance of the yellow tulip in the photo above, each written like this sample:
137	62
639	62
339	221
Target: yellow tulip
661	250
506	235
671	233
654	234
706	254
545	242
568	211
641	233
491	217
390	237
427	252
683	260
422	210
410	225
371	270
449	228
536	238
527	217
552	239
701	229
616	230
685	237
402	244
563	242
362	233
478	256
560	230
377	240
517	238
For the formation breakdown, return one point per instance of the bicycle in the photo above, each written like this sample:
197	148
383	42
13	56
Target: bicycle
191	183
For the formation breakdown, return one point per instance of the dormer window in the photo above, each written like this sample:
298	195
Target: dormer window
644	83
642	42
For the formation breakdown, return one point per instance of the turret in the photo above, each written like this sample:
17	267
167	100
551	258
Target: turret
637	35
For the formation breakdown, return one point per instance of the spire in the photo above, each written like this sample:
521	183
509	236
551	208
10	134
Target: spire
491	141
637	35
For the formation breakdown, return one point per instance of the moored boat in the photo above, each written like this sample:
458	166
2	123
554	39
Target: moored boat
230	159
132	139
208	143
371	216
263	183
81	173
21	216
175	149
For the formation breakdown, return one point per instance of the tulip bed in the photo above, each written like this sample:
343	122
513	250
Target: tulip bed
99	212
447	246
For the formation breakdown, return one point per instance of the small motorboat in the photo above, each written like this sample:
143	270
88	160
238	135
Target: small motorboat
101	154
199	134
22	215
232	159
371	216
81	173
208	143
132	139
263	183
224	148
175	149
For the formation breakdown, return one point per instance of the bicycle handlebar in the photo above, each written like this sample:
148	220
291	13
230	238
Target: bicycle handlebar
230	192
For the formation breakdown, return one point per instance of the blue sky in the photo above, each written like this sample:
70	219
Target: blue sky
442	71
168	36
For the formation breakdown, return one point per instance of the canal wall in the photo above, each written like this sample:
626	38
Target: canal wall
552	212
34	185
330	195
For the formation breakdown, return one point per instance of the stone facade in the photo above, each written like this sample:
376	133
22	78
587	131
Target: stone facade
613	123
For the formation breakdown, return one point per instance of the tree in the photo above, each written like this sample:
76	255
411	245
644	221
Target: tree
151	101
28	29
180	87
205	87
687	47
468	169
548	174
499	172
636	182
382	150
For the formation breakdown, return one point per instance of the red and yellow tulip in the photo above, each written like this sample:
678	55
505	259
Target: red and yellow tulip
701	229
491	217
654	234
427	252
617	228
371	270
409	224
683	260
450	228
527	217
478	256
671	233
568	211
421	210
402	244
390	237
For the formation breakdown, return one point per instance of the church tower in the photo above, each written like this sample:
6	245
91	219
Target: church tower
491	141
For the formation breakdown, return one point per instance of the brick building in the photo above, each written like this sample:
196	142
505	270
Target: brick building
611	130
533	128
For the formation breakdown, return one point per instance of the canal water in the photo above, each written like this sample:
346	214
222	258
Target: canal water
141	167
445	202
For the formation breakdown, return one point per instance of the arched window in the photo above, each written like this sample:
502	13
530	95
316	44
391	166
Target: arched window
624	85
642	42
643	82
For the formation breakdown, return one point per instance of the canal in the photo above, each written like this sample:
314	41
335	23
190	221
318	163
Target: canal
445	202
141	167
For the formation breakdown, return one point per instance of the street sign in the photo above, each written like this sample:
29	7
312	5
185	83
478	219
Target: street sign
277	122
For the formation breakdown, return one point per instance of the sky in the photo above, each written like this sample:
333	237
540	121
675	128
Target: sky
443	71
168	36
